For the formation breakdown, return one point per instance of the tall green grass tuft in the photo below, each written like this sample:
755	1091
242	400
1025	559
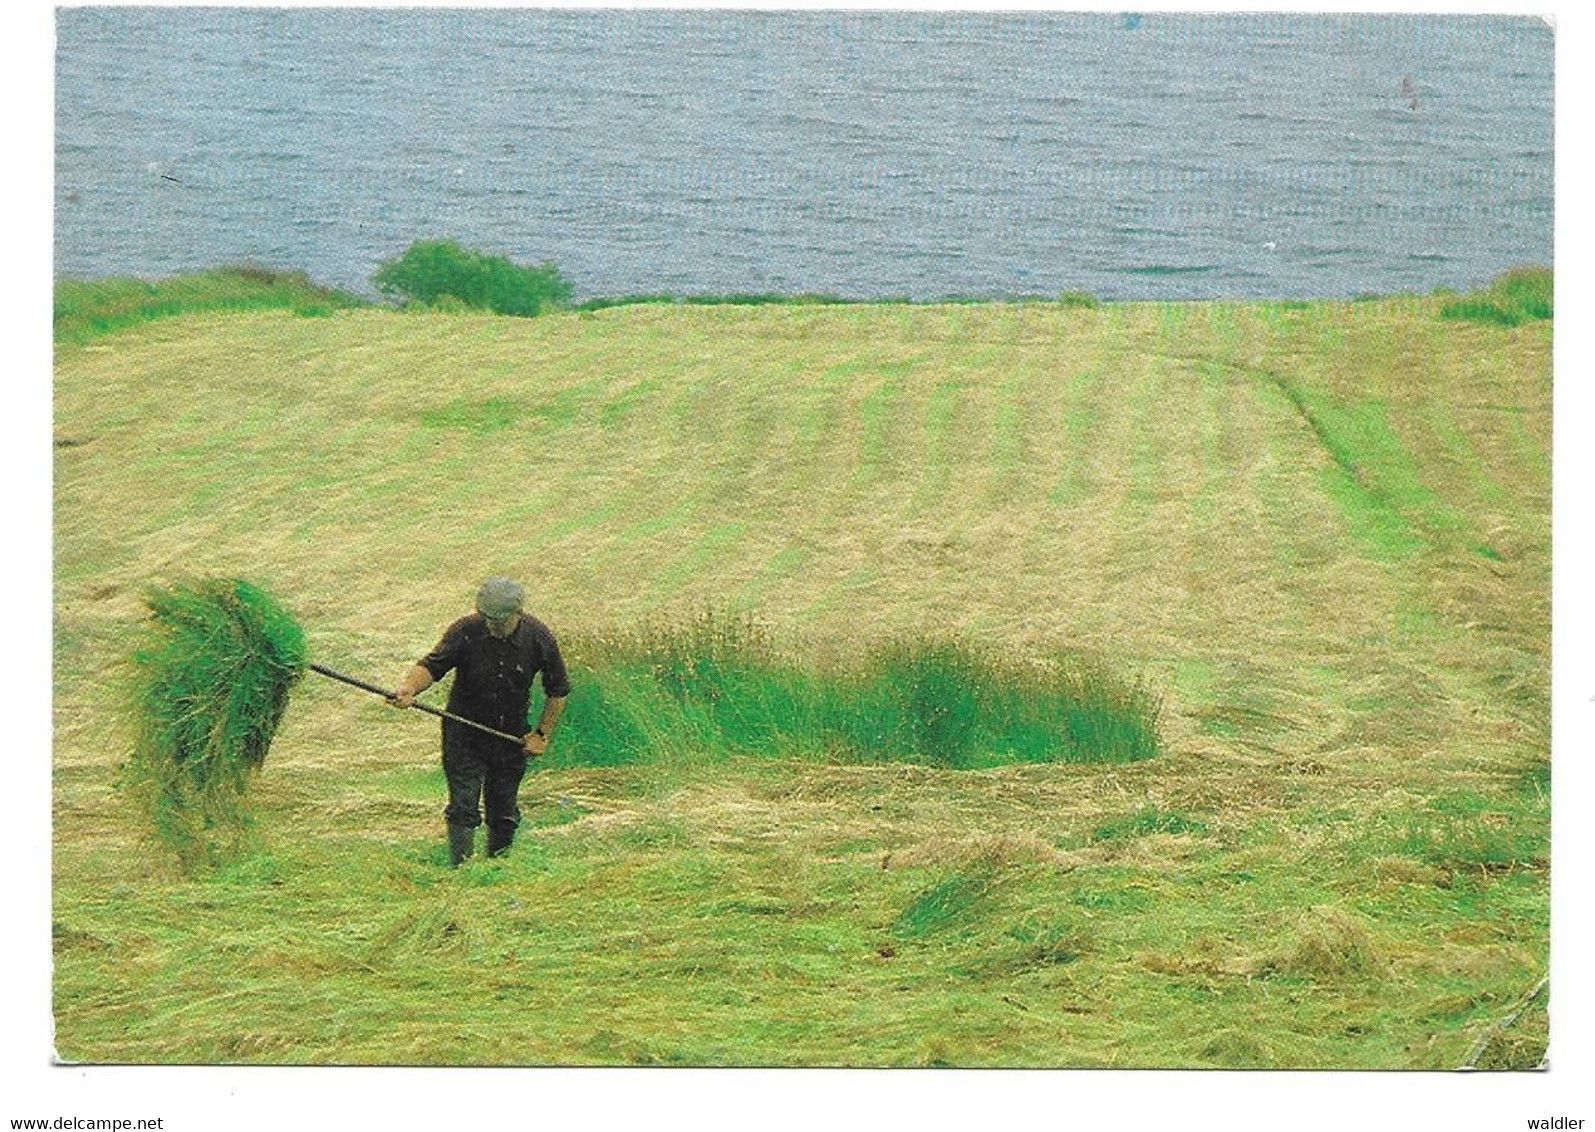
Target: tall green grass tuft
209	689
720	687
85	309
1519	296
942	905
442	272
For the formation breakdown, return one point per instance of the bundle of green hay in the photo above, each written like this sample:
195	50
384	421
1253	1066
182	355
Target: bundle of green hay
211	684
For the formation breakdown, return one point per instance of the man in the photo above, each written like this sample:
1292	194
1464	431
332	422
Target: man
495	654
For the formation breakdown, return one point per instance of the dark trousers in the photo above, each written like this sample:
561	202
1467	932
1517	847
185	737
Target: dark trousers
483	772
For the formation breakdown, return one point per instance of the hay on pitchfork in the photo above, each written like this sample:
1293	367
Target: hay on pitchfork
211	683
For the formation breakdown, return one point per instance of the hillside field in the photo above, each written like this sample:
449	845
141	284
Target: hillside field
1320	532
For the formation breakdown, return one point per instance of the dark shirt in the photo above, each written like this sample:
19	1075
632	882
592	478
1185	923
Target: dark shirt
493	676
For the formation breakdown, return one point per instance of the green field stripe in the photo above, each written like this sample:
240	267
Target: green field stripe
1145	466
1534	453
940	418
1161	435
1108	452
1377	527
1371	479
1082	398
1380	528
856	580
1081	367
730	433
1222	454
1459	452
877	420
1277	488
1011	446
618	412
1279	485
784	564
753	454
605	512
653	472
1380	439
1212	427
1174	320
696	562
1363	441
821	408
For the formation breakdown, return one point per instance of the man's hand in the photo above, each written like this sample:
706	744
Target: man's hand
415	681
536	743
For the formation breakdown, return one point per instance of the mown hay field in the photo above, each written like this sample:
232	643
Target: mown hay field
1321	531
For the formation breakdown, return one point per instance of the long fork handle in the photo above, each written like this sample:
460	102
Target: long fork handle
429	709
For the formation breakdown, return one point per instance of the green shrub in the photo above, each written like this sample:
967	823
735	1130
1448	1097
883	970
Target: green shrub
431	272
1519	296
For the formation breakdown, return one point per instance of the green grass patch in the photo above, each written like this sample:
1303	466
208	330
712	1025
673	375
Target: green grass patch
491	415
877	412
1376	525
1082	416
1474	842
1522	295
1143	822
1050	944
942	905
1374	481
701	557
86	309
719	687
1118	899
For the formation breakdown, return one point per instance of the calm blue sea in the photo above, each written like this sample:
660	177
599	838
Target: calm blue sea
868	154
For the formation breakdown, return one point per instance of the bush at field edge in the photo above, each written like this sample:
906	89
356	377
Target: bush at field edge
433	272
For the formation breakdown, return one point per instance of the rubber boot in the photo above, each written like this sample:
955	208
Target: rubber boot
500	836
460	840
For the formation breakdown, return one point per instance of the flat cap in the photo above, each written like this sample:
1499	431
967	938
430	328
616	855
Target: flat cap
499	598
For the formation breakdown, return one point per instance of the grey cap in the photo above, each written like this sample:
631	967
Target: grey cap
499	598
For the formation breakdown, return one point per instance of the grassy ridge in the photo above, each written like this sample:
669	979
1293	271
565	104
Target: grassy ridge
442	276
1516	297
88	308
1338	857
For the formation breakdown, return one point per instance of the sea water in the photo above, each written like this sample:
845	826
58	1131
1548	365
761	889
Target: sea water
866	154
